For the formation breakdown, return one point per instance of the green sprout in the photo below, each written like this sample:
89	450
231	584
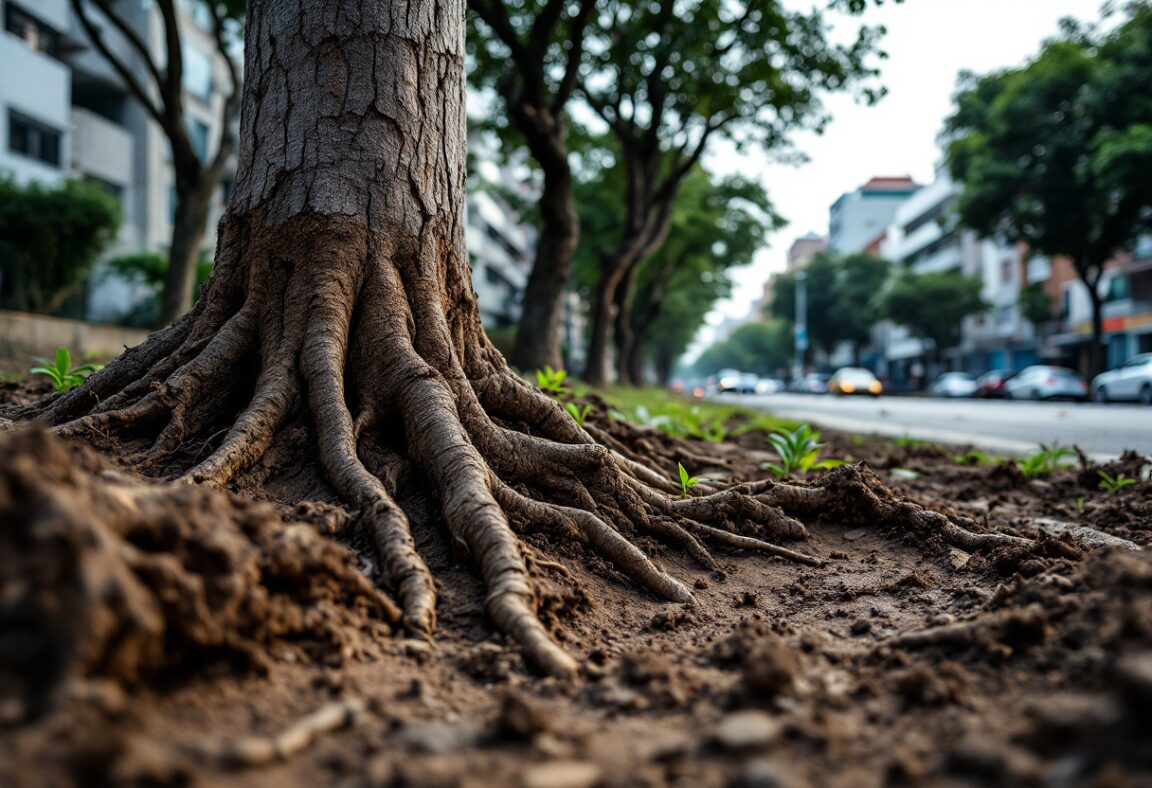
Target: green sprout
1114	484
799	451
579	414
1046	460
552	380
65	377
686	482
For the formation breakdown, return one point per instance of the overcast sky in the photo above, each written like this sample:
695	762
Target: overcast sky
928	42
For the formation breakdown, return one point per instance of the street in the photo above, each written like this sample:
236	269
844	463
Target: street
991	425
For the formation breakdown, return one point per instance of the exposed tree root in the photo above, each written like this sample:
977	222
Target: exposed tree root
370	359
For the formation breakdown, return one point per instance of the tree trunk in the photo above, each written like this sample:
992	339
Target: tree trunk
538	337
191	214
622	328
339	335
601	317
1096	358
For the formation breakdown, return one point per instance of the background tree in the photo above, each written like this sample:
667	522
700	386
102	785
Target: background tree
821	275
530	53
157	83
1056	153
1035	304
762	348
933	306
859	299
49	238
148	270
668	79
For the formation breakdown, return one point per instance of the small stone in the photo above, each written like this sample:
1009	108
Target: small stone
747	730
958	559
1134	680
563	774
767	773
438	738
854	534
419	650
861	626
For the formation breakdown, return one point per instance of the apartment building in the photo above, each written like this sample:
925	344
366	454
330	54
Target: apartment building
858	218
64	113
924	238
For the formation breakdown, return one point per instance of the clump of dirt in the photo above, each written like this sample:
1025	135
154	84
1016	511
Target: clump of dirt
107	576
768	666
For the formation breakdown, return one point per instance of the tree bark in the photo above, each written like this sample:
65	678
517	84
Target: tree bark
1096	356
622	328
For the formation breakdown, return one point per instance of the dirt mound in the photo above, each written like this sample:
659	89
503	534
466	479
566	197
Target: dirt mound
107	576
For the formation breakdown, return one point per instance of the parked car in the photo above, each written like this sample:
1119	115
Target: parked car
991	383
953	384
1131	380
1044	382
747	383
854	380
812	383
769	386
728	380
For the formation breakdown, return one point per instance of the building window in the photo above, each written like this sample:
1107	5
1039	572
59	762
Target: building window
32	139
31	31
198	137
197	75
1118	289
1006	270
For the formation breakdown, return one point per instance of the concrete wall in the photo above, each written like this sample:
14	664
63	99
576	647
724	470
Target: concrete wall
22	334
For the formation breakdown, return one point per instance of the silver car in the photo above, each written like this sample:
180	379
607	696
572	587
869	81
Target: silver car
1044	382
953	384
1132	380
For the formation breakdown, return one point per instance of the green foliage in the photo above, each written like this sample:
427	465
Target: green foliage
50	235
686	482
1046	460
977	458
65	377
799	452
844	297
147	270
907	441
934	305
761	348
577	413
685	418
1114	484
1035	304
552	380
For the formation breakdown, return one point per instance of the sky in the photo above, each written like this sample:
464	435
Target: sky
929	42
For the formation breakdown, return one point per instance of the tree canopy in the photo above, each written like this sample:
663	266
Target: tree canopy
933	305
1056	153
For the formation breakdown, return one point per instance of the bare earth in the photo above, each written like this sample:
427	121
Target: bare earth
180	652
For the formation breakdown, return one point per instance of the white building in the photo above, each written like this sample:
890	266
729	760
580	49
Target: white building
923	237
65	113
858	219
499	249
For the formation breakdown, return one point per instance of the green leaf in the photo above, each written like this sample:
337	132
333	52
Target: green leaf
829	463
63	360
683	474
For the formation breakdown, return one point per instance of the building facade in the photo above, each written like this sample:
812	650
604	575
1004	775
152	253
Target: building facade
859	217
69	115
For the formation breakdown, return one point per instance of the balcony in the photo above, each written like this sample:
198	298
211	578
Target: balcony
100	148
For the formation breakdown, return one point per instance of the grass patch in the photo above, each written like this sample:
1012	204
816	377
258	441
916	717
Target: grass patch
685	417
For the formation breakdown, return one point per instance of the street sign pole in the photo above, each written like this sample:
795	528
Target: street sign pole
801	338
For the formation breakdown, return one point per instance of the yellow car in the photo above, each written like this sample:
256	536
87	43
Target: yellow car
854	380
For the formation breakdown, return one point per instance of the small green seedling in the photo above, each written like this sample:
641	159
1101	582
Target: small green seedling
1080	504
579	414
686	482
1114	484
1046	460
552	380
65	377
799	452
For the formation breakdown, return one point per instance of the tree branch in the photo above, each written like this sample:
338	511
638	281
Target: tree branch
130	82
575	55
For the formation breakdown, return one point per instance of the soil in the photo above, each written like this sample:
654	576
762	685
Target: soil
210	639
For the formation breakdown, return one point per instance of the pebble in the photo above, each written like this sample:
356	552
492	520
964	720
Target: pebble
853	535
438	738
861	626
747	730
563	774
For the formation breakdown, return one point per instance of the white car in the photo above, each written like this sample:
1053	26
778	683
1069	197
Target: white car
1131	380
953	384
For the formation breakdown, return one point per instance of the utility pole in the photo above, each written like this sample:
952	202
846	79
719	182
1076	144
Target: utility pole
801	338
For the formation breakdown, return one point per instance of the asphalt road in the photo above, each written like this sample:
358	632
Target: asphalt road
990	425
